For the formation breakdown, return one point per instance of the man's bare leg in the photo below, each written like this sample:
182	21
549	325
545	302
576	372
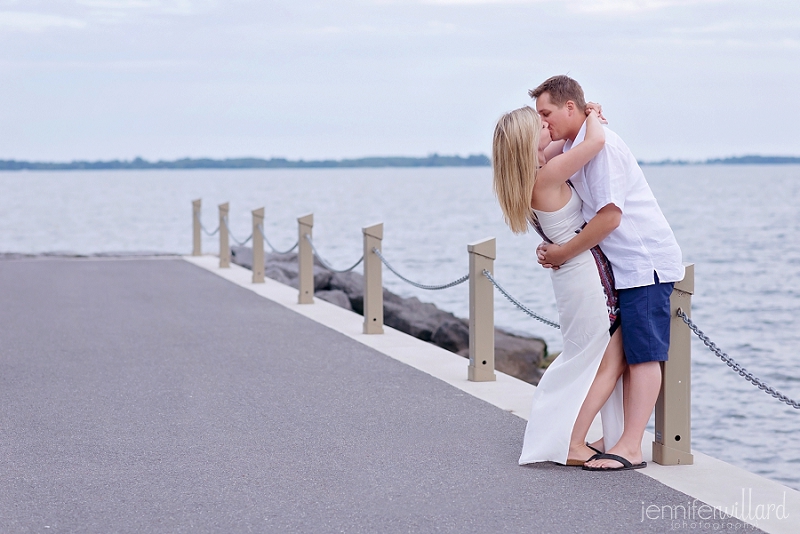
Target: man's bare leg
600	444
643	388
626	387
611	367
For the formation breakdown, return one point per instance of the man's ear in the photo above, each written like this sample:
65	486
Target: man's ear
570	105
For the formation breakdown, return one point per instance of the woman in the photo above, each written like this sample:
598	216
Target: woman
531	183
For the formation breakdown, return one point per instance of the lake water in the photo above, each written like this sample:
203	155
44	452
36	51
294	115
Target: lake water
738	224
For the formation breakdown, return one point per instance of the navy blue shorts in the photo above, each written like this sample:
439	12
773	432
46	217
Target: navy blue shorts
645	322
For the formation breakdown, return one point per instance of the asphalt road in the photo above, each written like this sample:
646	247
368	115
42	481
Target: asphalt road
153	396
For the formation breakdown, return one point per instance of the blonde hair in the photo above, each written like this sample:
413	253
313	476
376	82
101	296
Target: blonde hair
515	160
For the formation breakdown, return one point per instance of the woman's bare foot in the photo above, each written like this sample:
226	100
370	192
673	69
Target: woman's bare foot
580	452
598	445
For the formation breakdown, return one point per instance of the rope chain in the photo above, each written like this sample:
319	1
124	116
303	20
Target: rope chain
209	234
328	265
518	304
415	284
730	362
240	243
276	251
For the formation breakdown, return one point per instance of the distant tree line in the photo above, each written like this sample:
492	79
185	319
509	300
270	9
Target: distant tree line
740	160
433	160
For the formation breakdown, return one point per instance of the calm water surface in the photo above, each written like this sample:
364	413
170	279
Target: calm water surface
738	224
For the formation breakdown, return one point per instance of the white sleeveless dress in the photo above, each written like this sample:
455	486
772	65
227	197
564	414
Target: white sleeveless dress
584	319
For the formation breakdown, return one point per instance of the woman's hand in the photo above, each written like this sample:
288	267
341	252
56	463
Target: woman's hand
550	256
597	109
595	134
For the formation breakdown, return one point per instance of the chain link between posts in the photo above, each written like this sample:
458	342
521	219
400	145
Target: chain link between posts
240	243
202	227
737	368
328	265
416	284
273	249
518	304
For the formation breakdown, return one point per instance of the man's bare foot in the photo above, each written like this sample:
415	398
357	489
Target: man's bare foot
633	455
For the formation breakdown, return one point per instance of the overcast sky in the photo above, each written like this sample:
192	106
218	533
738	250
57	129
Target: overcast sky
101	79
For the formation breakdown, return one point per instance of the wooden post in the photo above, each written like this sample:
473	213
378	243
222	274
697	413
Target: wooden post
673	443
224	243
373	280
305	258
258	246
481	311
197	247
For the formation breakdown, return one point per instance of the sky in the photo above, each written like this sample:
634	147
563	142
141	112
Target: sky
164	79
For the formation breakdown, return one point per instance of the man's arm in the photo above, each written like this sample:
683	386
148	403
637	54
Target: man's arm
606	221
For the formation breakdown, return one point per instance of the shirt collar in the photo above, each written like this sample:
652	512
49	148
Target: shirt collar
578	138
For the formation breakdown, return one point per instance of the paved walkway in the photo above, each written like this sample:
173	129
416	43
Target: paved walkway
154	396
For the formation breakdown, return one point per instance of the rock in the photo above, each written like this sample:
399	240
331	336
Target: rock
352	284
322	279
519	356
276	273
281	267
413	317
515	355
335	296
453	336
242	256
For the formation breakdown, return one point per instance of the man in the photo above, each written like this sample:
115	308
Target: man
624	218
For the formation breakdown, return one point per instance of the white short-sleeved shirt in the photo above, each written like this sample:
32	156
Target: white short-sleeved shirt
643	242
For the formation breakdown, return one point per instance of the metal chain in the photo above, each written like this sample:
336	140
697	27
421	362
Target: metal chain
276	251
240	243
328	265
518	304
209	234
415	284
730	362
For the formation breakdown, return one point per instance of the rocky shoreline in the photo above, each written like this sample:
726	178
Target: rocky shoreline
522	357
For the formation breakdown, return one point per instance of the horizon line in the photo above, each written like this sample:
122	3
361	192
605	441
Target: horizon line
432	160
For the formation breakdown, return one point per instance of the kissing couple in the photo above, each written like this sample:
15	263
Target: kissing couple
613	262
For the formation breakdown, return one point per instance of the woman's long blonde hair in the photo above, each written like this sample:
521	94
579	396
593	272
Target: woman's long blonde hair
515	160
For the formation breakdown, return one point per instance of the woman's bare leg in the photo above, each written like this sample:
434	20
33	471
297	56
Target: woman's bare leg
611	367
600	444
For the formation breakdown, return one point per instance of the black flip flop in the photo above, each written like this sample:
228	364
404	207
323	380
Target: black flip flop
626	465
598	451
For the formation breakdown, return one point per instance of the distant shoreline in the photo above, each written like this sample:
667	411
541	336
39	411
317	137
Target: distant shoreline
739	160
434	160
